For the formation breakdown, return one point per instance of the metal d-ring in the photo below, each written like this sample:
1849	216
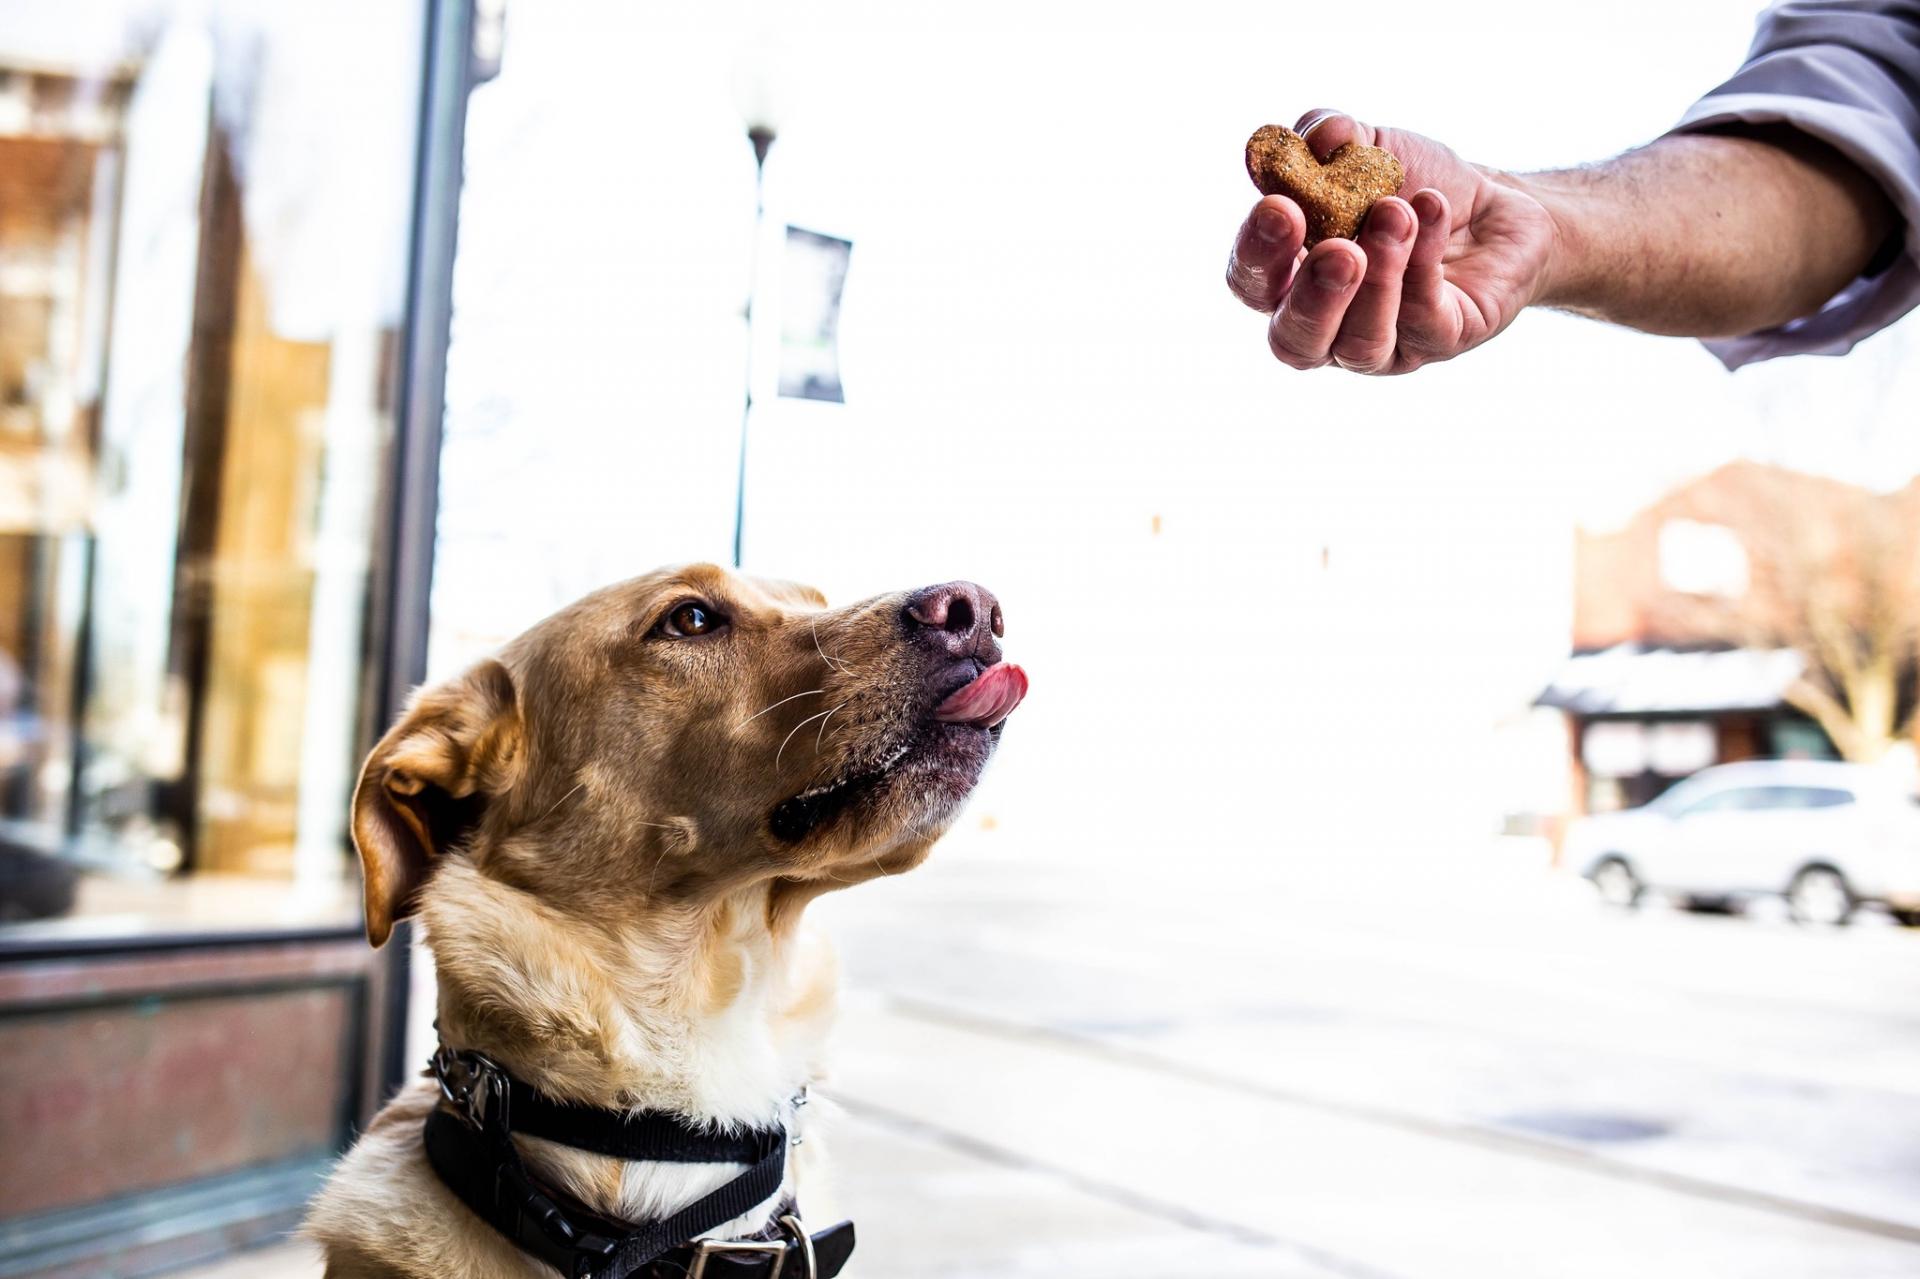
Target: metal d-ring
799	1229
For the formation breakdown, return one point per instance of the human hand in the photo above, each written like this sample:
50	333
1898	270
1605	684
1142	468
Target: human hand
1431	276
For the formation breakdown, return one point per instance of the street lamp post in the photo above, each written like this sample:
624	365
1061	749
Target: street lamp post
761	134
761	94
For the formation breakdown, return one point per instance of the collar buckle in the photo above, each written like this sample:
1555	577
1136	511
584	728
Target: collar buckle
475	1085
776	1248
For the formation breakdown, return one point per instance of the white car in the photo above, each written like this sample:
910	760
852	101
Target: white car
1826	836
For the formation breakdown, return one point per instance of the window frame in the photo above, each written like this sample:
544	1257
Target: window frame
163	969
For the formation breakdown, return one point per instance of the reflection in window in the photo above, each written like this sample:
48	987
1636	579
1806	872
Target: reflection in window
203	224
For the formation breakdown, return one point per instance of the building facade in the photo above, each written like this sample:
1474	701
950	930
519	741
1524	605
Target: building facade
1752	613
226	236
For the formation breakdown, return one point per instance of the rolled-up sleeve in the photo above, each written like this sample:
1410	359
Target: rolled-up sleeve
1846	72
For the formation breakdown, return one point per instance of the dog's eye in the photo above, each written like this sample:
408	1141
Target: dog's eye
691	619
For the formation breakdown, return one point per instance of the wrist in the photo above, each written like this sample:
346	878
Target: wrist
1567	277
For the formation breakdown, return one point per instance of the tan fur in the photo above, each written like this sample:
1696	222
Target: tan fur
582	829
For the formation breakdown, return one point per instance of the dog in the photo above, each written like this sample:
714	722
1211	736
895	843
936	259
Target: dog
610	832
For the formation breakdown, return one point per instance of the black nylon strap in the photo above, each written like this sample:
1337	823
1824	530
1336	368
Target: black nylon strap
486	1174
469	1143
750	1189
647	1135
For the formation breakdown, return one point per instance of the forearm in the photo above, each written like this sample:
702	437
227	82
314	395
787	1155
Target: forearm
1709	235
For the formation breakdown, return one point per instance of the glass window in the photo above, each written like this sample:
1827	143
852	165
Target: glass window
203	237
1726	801
1702	559
1614	748
1800	739
1680	748
1757	799
1814	797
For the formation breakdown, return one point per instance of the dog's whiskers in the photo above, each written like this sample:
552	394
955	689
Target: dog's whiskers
796	728
782	702
838	665
632	820
824	720
658	858
563	799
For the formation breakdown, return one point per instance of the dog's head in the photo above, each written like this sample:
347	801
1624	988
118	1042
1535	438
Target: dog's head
690	732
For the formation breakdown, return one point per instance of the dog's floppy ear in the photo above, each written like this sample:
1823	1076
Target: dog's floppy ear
426	783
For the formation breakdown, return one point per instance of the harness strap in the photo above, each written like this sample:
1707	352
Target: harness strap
750	1189
646	1135
471	1149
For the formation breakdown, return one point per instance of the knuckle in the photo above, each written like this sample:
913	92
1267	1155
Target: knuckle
1387	257
1368	357
1286	349
1317	311
1248	284
1423	339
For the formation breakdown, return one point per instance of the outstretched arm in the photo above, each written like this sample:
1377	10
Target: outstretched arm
1705	235
1711	235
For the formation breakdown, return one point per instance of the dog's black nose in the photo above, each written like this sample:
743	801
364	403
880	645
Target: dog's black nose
961	618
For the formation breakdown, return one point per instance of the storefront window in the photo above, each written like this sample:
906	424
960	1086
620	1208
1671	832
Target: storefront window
204	217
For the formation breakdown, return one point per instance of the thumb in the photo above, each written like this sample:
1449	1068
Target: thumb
1326	131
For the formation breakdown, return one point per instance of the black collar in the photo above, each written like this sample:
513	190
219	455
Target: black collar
469	1143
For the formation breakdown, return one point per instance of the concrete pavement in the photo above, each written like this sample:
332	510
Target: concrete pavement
1051	1066
1400	1077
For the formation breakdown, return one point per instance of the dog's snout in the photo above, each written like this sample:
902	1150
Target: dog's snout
961	618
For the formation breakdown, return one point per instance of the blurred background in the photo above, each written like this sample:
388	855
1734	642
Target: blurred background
1356	894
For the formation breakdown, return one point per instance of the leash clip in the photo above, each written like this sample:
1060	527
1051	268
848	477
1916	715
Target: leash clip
475	1085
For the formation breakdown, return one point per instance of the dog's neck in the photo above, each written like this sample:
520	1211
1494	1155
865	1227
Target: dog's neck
700	1010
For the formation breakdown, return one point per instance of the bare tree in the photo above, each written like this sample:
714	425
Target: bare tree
1834	574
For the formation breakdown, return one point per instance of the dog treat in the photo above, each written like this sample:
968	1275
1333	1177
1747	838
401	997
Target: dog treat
1336	195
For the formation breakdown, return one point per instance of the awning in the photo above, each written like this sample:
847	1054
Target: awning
1630	680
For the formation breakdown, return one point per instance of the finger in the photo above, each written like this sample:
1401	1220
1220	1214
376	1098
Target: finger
1427	323
1327	131
1266	252
1304	327
1366	340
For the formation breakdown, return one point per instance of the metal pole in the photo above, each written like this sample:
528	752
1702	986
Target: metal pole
428	323
762	138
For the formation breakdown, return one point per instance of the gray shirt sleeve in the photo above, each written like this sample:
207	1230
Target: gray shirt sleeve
1846	72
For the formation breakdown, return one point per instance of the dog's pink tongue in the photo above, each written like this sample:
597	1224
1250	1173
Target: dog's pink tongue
988	700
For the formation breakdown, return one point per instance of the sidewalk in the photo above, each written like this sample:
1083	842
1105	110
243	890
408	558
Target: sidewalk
973	1151
1060	1070
929	1208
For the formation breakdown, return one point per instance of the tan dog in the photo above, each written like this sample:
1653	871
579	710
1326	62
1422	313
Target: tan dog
610	833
